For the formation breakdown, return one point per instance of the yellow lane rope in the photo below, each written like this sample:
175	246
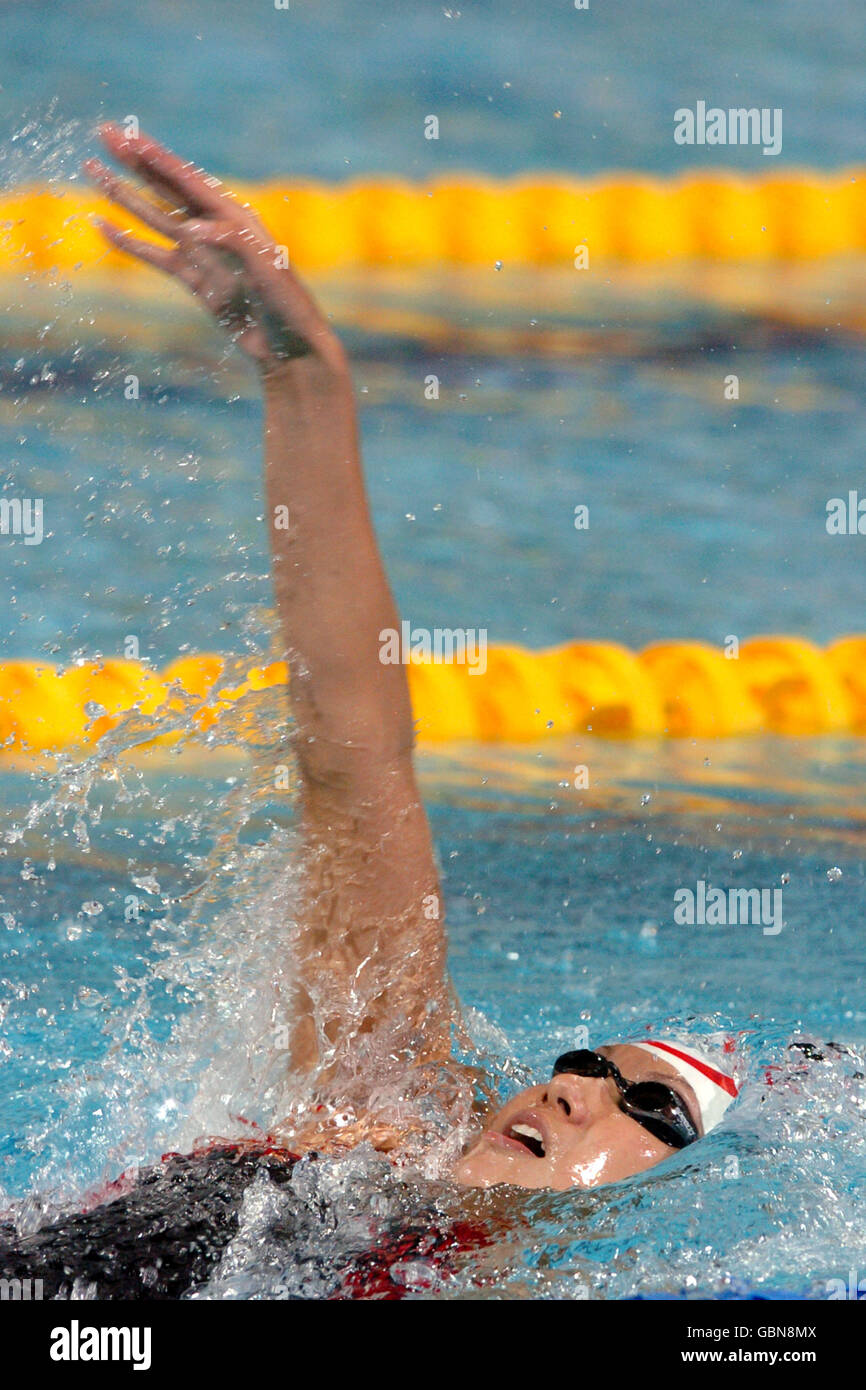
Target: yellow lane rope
535	219
783	685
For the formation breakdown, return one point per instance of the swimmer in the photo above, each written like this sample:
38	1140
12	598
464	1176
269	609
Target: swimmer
373	994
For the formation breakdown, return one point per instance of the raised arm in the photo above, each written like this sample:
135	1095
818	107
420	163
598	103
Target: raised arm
370	949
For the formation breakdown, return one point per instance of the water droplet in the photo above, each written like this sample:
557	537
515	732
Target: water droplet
147	882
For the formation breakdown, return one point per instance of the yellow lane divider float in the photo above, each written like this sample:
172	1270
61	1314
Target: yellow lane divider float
783	685
534	219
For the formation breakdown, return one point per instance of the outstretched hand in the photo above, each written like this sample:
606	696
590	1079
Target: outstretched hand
220	251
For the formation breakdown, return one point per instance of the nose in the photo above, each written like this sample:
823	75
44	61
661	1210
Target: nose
576	1097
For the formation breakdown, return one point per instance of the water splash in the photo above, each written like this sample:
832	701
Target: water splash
193	1016
45	148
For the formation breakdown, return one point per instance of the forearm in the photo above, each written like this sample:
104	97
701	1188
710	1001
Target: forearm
352	712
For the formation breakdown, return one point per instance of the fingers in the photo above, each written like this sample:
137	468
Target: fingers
160	256
191	188
119	148
123	193
248	247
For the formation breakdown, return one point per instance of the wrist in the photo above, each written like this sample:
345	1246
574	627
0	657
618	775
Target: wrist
325	366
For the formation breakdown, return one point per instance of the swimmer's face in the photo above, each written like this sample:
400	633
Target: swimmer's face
587	1139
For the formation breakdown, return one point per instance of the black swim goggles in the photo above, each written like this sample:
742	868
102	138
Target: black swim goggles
657	1107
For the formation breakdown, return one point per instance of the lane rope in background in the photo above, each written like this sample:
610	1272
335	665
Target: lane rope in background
676	689
532	220
783	685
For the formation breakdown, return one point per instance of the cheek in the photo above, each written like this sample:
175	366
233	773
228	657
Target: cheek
611	1149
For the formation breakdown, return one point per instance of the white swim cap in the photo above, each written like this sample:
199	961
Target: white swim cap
714	1089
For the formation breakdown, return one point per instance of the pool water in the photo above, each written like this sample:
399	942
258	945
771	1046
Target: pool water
615	400
139	944
334	90
138	966
128	1035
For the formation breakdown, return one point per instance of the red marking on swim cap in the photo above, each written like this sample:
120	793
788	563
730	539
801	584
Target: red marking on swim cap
719	1078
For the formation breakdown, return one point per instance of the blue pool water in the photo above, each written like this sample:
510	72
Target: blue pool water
338	89
474	494
126	1038
129	1032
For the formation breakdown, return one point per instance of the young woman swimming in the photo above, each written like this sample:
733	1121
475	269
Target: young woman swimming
373	998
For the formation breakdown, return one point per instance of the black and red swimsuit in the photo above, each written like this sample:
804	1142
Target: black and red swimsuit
161	1235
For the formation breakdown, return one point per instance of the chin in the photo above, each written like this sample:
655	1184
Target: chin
483	1168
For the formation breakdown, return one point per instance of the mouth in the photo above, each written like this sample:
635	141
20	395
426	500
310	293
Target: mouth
526	1133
